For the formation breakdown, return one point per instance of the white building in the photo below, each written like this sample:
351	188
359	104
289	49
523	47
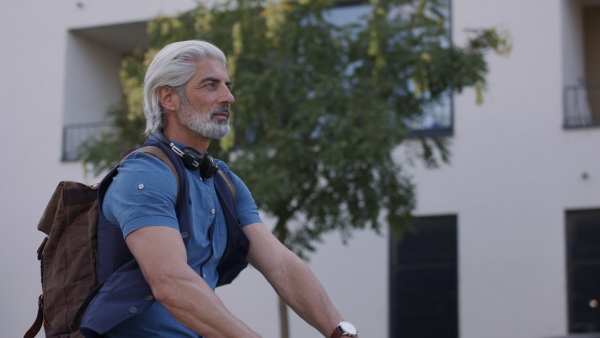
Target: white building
521	194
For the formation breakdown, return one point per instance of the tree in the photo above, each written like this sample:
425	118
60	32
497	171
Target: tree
319	107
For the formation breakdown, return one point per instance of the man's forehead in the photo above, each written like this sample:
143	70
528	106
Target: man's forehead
211	68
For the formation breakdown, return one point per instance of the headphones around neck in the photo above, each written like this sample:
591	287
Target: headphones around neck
192	159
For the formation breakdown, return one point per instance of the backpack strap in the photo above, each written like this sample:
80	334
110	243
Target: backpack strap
39	320
160	154
156	152
229	184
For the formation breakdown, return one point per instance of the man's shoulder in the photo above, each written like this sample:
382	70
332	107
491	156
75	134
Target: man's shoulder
140	165
140	158
223	166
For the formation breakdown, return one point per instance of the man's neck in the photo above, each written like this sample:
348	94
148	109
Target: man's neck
188	138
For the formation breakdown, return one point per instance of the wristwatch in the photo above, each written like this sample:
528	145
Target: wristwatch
344	329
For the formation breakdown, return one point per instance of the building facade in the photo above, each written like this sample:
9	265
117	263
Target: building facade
507	232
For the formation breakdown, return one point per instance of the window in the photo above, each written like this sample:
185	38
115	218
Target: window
583	269
438	118
424	280
582	89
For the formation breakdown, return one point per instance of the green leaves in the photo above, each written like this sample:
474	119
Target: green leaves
321	106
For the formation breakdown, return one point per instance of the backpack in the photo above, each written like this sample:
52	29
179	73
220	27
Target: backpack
68	255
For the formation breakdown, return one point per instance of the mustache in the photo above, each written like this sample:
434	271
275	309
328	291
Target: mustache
221	109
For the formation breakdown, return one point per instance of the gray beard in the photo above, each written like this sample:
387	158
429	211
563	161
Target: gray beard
202	122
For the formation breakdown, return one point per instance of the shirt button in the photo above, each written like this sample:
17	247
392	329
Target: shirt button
149	297
184	235
204	276
141	186
212	211
133	309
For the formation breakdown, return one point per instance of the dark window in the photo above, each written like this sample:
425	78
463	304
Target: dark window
424	280
583	266
438	118
582	100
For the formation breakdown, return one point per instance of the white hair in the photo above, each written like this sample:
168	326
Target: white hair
173	66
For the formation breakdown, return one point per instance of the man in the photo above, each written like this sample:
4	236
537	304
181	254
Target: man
187	99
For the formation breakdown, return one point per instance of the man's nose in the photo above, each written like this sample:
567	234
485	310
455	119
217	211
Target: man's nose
227	96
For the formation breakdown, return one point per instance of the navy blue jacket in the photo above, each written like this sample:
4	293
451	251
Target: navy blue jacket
125	292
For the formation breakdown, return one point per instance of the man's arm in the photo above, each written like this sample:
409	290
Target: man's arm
161	255
292	279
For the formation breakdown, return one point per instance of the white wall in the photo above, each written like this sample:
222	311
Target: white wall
513	173
91	80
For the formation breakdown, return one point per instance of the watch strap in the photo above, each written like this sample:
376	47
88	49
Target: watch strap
337	333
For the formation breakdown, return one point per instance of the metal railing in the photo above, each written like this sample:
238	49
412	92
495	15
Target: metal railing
437	120
74	135
582	106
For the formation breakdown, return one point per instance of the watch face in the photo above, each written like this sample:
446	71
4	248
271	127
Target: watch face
348	328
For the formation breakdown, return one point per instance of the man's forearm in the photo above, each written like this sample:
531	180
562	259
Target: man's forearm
301	290
292	279
196	306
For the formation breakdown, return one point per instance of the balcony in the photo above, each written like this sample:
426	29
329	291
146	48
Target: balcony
582	106
74	135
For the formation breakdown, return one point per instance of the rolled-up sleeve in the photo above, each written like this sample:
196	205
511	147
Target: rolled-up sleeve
142	194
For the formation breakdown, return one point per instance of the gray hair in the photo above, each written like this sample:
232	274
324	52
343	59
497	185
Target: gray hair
173	66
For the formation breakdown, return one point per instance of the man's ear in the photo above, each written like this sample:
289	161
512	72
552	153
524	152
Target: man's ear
168	98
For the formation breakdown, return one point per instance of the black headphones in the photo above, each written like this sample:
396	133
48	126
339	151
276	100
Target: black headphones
192	159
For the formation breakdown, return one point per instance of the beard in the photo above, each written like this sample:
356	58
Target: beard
202	122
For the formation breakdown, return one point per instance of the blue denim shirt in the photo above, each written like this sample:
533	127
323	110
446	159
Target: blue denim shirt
143	194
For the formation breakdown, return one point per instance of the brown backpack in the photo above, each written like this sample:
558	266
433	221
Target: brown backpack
68	253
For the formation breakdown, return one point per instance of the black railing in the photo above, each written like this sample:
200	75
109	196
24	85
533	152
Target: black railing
437	120
582	105
74	135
